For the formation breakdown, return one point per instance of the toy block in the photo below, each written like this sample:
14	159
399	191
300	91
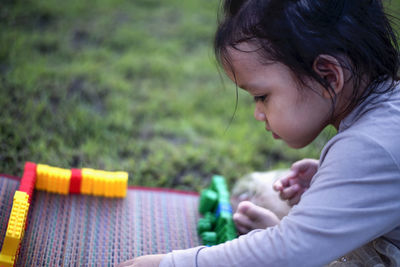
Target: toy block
111	185
58	180
215	206
99	182
41	176
207	223
84	181
208	200
121	184
63	177
28	180
53	179
218	183
87	181
27	183
75	182
225	235
30	167
7	260
15	229
204	225
209	238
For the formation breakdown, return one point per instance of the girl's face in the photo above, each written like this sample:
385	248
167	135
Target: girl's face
292	112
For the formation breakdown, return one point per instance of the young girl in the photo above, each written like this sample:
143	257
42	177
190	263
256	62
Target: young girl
308	64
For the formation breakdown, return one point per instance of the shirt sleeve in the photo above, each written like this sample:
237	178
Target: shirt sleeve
353	198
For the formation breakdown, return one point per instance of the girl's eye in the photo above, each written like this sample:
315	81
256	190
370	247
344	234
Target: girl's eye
260	98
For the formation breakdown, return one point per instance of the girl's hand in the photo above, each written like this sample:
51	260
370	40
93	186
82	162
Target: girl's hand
292	186
143	261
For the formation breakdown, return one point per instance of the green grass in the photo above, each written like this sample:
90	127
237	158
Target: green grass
126	85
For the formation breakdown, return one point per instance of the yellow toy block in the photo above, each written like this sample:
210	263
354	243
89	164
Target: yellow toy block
87	181
110	186
65	180
7	260
121	184
103	183
41	176
98	182
53	179
58	180
15	229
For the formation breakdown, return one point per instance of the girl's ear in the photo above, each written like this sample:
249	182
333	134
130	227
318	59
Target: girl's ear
329	69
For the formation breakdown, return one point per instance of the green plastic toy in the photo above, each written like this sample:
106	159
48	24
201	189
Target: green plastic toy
217	225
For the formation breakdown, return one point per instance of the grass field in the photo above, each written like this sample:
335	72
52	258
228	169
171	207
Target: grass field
127	85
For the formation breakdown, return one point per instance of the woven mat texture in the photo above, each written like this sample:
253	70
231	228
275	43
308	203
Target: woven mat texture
79	230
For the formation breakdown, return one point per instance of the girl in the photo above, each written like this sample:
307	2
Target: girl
310	63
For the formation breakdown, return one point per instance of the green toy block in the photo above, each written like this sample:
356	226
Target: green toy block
225	236
211	217
217	225
229	226
208	201
203	225
209	238
218	183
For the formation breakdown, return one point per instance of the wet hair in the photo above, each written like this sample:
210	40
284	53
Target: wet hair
357	33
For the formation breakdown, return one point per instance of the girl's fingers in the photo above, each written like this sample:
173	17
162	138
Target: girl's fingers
126	263
278	186
290	191
242	230
242	223
281	183
294	200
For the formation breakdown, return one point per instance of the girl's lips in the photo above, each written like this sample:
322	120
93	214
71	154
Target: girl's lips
273	134
276	136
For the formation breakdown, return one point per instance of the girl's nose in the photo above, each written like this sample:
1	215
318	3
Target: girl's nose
259	113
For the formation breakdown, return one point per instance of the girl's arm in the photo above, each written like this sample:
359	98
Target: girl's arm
352	201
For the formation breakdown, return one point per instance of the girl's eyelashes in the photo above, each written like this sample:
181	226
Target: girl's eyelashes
260	98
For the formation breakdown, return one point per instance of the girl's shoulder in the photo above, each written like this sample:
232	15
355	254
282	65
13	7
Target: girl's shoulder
371	130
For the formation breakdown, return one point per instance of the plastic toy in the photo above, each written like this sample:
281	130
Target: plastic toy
85	181
217	225
15	229
28	179
55	180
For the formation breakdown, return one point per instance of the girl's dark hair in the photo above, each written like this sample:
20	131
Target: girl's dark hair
295	32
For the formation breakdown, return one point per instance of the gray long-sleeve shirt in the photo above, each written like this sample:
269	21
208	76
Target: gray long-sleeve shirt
353	198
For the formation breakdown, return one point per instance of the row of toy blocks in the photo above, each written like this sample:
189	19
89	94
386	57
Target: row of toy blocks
85	181
104	183
15	229
28	179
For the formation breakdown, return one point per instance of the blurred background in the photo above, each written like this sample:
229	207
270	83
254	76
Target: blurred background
128	85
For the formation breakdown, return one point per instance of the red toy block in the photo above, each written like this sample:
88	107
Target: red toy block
76	179
28	180
30	166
